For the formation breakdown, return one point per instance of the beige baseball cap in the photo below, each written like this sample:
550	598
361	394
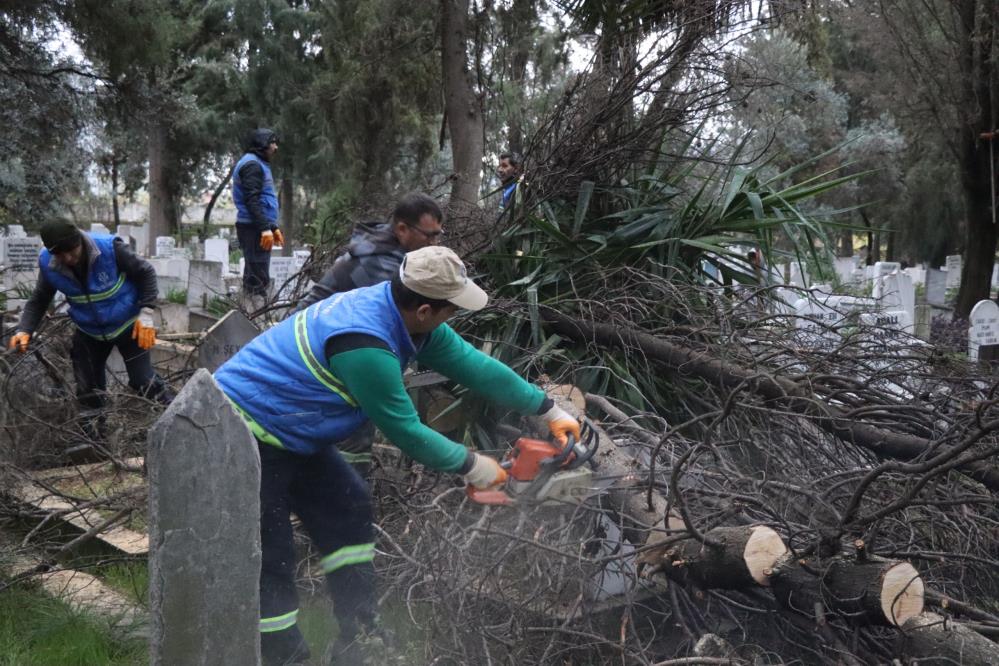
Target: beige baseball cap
437	272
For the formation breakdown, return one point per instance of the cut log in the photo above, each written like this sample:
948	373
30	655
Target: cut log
882	592
934	641
734	558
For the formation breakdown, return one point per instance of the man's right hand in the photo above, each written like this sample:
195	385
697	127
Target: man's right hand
20	341
485	473
267	240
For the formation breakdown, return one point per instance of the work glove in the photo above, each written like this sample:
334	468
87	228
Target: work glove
267	240
278	237
485	473
19	341
144	332
561	424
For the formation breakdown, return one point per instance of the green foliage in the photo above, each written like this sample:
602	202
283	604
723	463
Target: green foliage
219	305
129	578
38	630
178	296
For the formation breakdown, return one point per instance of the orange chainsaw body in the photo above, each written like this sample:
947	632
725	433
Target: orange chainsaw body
526	457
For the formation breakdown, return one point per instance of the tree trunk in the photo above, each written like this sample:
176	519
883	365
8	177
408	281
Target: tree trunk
732	558
287	214
980	249
781	390
114	192
935	641
977	24
206	220
523	19
846	244
463	108
160	197
868	592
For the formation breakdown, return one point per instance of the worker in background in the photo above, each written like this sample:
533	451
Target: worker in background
509	172
375	251
256	212
111	292
344	356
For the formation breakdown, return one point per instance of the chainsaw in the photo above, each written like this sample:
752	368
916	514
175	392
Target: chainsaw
539	470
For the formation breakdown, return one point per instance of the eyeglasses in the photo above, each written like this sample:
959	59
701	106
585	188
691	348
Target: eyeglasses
429	235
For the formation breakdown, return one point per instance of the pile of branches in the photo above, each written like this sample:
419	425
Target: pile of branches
866	450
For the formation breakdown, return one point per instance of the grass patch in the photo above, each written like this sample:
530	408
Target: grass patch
129	578
38	630
178	296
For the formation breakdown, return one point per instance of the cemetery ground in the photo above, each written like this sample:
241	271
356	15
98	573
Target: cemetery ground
816	484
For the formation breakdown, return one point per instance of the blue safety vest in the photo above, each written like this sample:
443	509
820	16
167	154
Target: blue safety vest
108	304
268	195
280	382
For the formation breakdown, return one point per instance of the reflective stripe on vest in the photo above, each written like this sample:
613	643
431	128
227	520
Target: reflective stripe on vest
362	552
87	298
322	375
279	623
113	334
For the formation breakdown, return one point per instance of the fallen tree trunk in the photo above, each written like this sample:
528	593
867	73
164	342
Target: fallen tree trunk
880	592
934	640
782	391
731	558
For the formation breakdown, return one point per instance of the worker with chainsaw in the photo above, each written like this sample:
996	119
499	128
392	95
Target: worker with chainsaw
372	256
111	292
315	378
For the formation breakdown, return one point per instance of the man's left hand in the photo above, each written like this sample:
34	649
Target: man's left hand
561	424
278	237
144	331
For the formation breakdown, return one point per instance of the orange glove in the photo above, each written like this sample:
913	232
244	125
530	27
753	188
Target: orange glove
19	341
144	331
485	473
561	424
278	237
267	241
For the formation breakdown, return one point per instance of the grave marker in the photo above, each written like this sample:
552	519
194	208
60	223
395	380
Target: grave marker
21	254
204	282
204	532
165	246
226	337
217	249
953	271
936	287
983	335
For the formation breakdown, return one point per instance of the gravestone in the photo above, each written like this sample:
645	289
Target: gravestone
882	268
140	232
983	335
16	231
173	317
282	269
953	271
894	291
844	268
226	337
204	282
917	273
204	532
217	249
21	254
165	246
936	287
924	314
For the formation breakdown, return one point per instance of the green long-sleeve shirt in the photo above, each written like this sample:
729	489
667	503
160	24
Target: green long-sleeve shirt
371	375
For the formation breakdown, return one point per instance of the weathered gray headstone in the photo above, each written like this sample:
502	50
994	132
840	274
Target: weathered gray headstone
936	287
204	282
983	336
217	249
22	253
953	271
224	339
204	532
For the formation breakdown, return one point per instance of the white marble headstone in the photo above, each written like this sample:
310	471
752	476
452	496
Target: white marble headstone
984	328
